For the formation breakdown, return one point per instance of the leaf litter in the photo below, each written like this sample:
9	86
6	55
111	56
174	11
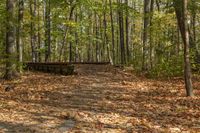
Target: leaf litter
100	99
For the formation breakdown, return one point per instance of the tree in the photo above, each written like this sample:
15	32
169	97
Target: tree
33	30
121	31
47	4
18	34
127	32
181	8
145	34
112	31
10	41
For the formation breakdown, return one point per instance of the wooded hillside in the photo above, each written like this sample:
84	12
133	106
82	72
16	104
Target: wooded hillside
157	41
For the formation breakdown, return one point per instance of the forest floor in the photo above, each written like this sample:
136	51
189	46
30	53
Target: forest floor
99	99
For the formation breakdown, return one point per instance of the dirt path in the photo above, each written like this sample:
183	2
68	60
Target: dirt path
97	99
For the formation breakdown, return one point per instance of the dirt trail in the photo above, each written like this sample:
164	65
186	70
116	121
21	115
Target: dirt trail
97	99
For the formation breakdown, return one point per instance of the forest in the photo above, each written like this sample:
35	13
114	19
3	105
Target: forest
100	66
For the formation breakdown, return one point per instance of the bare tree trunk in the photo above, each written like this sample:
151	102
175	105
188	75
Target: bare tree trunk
151	38
105	38
47	30
38	33
121	31
182	18
10	41
97	37
18	34
127	33
33	29
188	74
112	31
76	39
145	34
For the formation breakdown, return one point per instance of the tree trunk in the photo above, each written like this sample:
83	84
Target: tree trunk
10	41
182	18
121	32
97	39
18	35
127	33
151	37
65	34
47	30
105	38
145	34
112	31
38	33
33	30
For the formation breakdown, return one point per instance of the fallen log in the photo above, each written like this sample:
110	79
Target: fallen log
57	68
64	68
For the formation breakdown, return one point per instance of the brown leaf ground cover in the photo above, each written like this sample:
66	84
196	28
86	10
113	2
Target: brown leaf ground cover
98	99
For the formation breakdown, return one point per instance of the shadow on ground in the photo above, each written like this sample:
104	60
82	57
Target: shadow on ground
96	101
